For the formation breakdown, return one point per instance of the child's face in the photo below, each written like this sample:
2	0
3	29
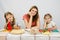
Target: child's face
48	19
9	18
33	12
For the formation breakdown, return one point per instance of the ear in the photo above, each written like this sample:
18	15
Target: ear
51	19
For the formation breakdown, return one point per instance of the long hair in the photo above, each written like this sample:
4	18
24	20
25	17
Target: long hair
36	16
13	22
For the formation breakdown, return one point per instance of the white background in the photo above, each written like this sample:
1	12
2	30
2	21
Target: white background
21	7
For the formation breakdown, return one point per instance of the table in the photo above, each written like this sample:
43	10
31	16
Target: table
28	36
54	36
3	36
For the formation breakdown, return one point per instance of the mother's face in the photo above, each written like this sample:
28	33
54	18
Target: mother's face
33	11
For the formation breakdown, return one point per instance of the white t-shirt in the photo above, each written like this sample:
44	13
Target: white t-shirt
51	24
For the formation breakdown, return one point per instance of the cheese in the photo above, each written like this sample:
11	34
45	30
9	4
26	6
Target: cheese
46	33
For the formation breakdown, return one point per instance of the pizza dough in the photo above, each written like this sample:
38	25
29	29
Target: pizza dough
34	31
5	30
19	31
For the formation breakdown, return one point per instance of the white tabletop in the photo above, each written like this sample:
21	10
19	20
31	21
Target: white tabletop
28	36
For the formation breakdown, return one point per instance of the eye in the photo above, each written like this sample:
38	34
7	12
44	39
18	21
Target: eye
32	10
35	11
46	18
7	18
10	17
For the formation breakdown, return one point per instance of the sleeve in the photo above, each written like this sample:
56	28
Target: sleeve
53	23
25	17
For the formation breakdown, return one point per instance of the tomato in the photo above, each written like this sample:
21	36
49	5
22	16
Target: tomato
40	30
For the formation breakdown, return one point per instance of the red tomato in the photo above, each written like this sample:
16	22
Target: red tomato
40	30
49	29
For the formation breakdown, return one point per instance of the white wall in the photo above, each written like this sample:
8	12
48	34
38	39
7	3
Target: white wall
20	7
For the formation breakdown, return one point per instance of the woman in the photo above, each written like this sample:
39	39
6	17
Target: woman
31	19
